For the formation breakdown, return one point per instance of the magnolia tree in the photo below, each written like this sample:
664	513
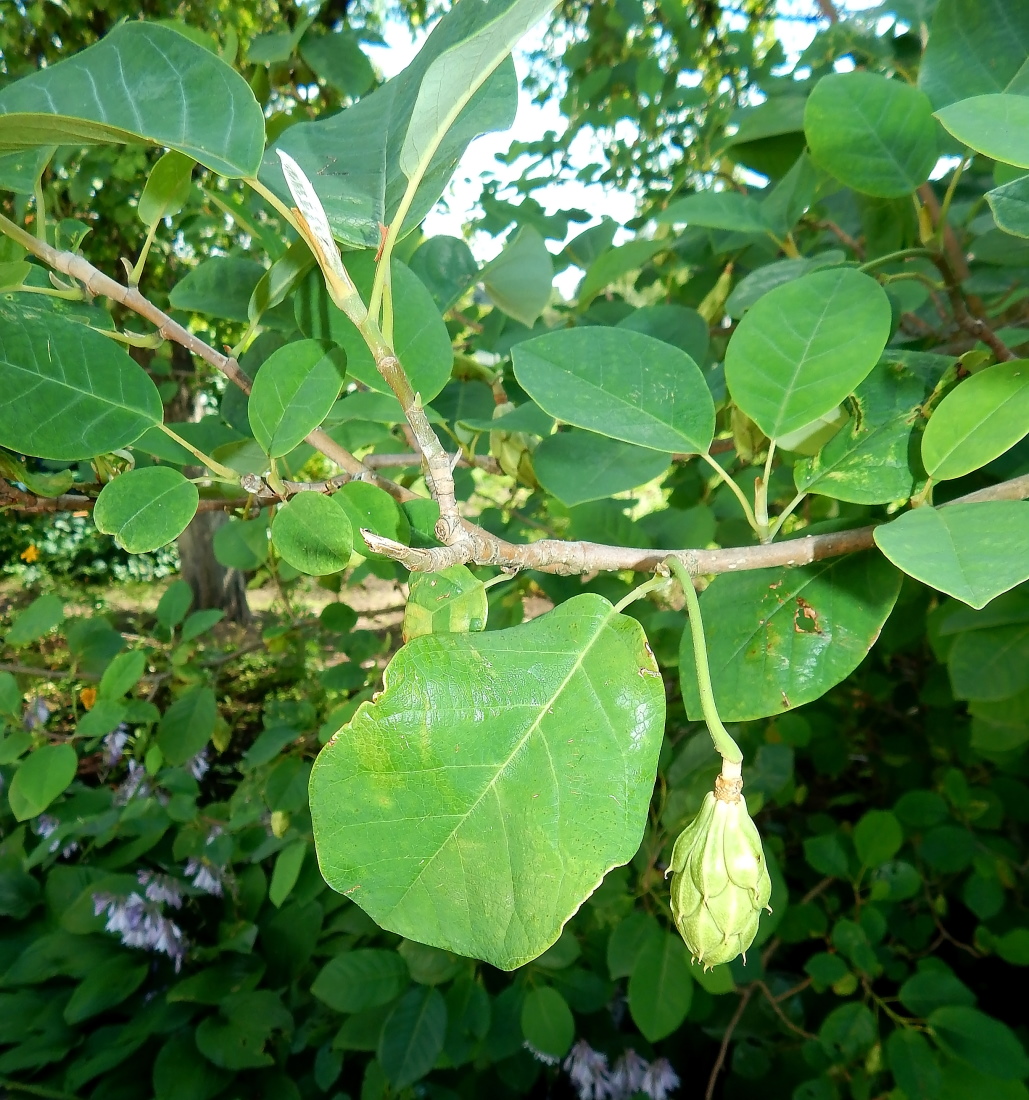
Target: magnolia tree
811	393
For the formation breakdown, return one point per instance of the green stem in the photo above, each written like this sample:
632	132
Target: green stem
893	257
37	194
744	503
207	460
724	744
786	513
269	197
761	495
137	271
948	197
639	591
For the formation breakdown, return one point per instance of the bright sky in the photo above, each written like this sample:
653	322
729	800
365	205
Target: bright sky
532	121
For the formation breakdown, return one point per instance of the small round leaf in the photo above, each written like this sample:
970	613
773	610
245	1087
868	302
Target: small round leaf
146	508
313	534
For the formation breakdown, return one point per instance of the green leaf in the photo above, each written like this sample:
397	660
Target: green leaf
242	544
122	674
877	837
972	552
848	1031
868	460
146	508
418	767
614	264
914	1066
450	601
43	775
361	979
369	507
683	328
621	384
278	282
182	1073
105	986
404	116
220	286
420	338
778	638
983	1042
287	870
978	421
1010	206
68	391
995	125
520	279
873	134
803	347
547	1022
661	986
932	987
313	534
975	47
446	267
577	466
39	618
142	82
339	60
293	392
717	210
412	1036
174	604
167	187
36	481
186	726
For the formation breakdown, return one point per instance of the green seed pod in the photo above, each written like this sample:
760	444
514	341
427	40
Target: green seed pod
720	880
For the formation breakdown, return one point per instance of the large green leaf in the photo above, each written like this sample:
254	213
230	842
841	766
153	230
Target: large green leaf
996	124
975	47
869	461
494	781
519	280
778	638
620	384
186	726
146	508
873	134
420	337
577	466
313	533
293	392
412	1036
68	392
718	210
1010	206
547	1022
804	346
660	986
679	326
43	775
143	82
396	126
977	421
220	286
972	552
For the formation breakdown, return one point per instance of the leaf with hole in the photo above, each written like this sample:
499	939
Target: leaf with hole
68	391
621	384
978	421
313	534
293	393
804	347
972	552
141	83
527	755
778	638
146	508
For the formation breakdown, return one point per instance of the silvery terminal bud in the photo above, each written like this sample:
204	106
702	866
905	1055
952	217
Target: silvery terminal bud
720	879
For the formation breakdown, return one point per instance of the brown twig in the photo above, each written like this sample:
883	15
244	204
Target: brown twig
975	326
723	1050
843	237
778	1010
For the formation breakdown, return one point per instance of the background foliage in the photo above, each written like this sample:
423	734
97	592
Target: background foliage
166	929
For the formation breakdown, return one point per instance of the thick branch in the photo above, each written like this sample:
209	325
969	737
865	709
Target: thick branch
553	556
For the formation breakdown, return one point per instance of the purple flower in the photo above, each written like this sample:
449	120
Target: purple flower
36	714
205	876
45	826
627	1076
660	1080
198	766
140	923
161	888
587	1069
134	785
114	745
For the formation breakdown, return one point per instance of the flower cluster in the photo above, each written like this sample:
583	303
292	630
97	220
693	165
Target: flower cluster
45	826
592	1079
140	920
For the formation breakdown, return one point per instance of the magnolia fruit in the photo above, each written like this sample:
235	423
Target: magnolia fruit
720	880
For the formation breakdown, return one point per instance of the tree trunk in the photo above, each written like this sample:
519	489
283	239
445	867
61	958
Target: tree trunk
213	585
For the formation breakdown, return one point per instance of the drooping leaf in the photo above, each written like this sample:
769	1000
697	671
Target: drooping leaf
403	118
972	552
313	534
68	391
873	134
575	711
869	460
778	638
293	393
978	420
996	125
621	384
983	1042
146	508
805	346
242	544
41	777
1010	206
520	279
615	263
142	82
446	267
167	187
660	986
420	338
576	466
